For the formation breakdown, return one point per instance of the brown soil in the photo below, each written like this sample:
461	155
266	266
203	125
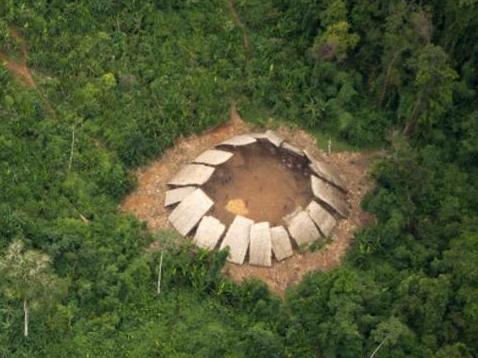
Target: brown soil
258	182
146	202
354	169
19	68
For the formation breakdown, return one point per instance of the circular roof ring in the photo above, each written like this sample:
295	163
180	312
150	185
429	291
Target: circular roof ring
258	195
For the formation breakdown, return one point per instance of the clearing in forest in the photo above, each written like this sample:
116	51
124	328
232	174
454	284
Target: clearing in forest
246	190
258	183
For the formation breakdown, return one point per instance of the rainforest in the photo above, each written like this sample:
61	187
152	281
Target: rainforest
93	91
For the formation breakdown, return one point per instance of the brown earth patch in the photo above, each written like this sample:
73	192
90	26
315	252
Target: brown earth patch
354	169
19	68
146	202
259	182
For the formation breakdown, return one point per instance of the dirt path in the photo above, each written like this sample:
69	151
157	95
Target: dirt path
20	70
146	202
240	24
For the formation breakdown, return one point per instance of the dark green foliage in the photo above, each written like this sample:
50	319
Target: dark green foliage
117	82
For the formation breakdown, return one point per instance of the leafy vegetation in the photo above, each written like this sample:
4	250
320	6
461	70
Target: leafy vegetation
118	81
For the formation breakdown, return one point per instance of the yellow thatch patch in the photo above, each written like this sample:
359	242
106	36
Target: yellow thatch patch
237	206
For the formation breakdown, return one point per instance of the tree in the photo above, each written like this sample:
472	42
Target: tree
460	260
334	42
406	30
389	332
433	87
28	277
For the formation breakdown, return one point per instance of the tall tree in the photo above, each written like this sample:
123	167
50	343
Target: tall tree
406	30
28	277
432	88
389	333
333	42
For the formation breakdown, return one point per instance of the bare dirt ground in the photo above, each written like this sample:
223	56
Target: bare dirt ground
146	202
259	182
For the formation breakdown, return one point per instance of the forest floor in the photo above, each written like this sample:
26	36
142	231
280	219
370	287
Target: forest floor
146	202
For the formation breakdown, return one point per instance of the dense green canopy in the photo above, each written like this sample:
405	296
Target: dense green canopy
116	82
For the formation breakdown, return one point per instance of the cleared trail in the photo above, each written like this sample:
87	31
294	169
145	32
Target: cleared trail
240	24
20	70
